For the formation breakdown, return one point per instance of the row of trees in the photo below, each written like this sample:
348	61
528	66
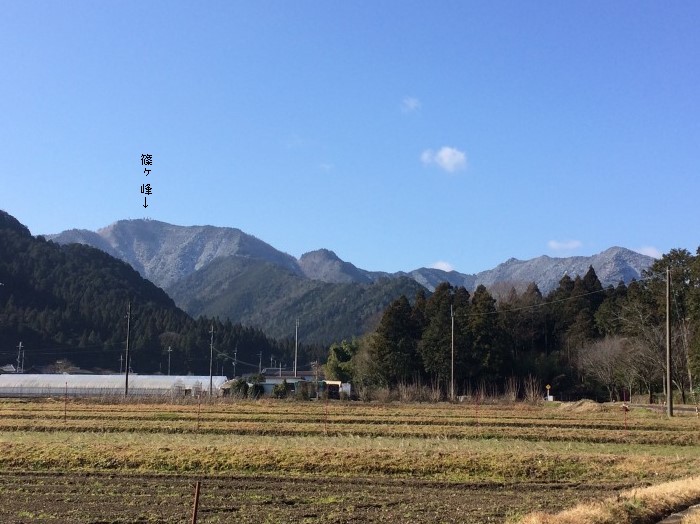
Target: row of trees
581	338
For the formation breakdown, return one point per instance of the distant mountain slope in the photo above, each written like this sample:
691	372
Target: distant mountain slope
612	266
225	272
70	302
430	278
324	265
73	296
271	298
165	253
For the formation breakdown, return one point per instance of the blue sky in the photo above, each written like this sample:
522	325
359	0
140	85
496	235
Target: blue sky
399	134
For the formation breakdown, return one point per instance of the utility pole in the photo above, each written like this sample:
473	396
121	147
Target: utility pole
121	363
19	357
169	351
296	347
128	332
211	360
260	362
669	388
315	365
235	359
452	379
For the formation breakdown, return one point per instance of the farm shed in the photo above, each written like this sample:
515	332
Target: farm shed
336	388
20	385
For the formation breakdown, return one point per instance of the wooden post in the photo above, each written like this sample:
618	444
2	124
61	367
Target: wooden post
196	503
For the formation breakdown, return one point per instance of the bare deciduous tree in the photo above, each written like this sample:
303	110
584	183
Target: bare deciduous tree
603	361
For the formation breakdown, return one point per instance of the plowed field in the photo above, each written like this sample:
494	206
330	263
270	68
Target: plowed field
277	461
108	498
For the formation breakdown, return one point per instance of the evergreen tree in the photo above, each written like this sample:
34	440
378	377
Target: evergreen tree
395	342
488	351
339	365
435	344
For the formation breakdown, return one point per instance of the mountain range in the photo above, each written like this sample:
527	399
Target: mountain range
220	271
78	303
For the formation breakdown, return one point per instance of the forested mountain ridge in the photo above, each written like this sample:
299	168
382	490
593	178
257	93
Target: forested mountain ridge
326	266
583	339
612	266
224	272
165	253
272	298
71	302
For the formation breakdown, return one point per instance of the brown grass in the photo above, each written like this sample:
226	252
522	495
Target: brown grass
692	518
635	506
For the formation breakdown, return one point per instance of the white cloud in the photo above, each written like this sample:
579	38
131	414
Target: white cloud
567	245
447	158
295	141
650	251
409	104
445	266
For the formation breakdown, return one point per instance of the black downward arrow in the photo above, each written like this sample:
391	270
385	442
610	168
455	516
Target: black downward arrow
145	204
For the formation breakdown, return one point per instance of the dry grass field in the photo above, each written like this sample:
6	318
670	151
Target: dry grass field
283	461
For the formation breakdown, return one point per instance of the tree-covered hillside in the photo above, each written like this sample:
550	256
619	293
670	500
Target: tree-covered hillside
272	298
582	339
70	302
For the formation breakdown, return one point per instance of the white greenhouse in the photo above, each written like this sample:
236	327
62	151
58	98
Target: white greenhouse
51	385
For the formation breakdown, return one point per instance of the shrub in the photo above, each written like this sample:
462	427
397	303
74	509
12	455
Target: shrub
239	389
302	391
383	394
533	390
281	390
365	392
256	391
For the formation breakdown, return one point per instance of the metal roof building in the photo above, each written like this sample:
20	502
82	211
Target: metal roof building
20	385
